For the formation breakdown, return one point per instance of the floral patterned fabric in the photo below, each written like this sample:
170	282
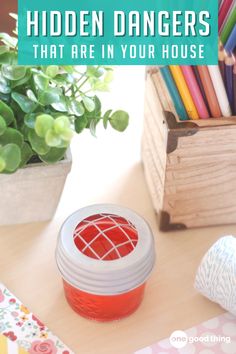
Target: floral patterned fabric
19	325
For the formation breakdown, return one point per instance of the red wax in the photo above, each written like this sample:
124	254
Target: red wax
103	308
106	237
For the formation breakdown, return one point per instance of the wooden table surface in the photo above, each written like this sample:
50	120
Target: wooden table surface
108	169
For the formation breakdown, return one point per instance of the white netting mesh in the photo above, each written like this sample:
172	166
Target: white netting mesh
105	237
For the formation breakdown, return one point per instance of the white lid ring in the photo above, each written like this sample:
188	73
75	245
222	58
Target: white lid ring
128	262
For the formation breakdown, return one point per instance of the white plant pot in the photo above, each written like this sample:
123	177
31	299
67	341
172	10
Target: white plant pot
33	192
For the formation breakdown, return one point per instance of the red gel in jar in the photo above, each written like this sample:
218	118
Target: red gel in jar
105	254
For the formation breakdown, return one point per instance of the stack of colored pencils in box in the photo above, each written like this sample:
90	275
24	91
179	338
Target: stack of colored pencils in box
201	92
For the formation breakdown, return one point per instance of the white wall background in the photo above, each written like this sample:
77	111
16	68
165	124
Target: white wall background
108	168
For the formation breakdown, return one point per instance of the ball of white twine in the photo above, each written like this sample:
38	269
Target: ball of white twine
216	275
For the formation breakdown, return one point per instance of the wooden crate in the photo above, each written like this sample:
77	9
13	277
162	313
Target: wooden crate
190	167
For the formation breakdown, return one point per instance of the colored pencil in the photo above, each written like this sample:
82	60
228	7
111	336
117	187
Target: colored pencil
220	91
228	27
234	80
163	92
231	42
195	91
226	4
178	103
227	17
201	86
210	92
184	91
221	61
229	65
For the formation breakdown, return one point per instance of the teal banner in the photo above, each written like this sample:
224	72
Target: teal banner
119	32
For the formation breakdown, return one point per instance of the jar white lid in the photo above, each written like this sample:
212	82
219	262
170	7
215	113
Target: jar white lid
102	277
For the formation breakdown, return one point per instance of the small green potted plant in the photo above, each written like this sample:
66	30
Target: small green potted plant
41	108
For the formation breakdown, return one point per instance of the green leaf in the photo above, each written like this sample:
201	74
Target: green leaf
13	72
4	85
96	114
68	68
11	135
52	71
94	71
61	124
98	105
106	118
5	98
24	102
49	97
101	86
31	96
22	81
43	124
8	40
89	104
119	120
75	108
91	69
41	82
8	58
108	77
53	139
3	125
24	131
6	112
60	80
81	123
11	154
2	164
60	106
26	154
3	49
54	155
67	135
38	144
92	127
30	120
70	79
